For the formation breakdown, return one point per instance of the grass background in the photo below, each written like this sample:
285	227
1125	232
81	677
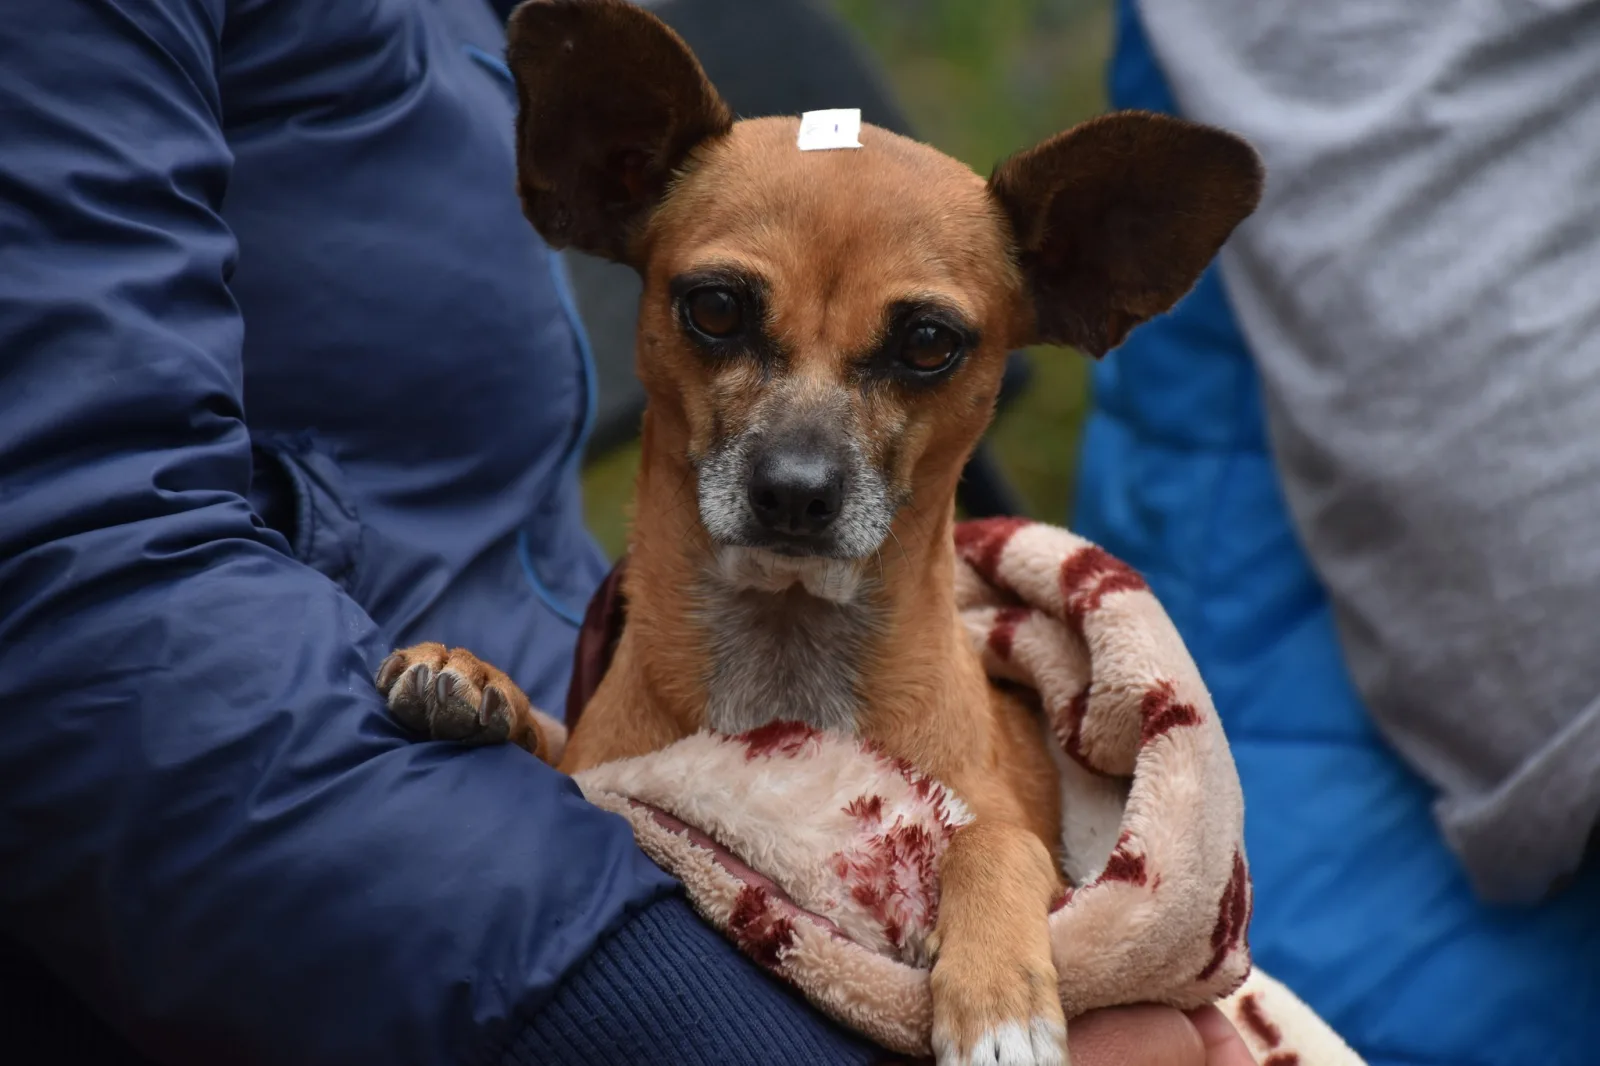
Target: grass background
980	80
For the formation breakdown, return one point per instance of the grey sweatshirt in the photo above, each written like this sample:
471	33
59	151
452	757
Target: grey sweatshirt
1421	291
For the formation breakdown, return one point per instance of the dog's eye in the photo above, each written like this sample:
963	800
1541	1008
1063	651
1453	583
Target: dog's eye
715	312
930	348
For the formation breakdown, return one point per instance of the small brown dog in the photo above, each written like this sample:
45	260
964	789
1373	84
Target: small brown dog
821	337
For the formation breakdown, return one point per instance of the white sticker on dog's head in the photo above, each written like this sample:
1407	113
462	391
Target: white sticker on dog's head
839	128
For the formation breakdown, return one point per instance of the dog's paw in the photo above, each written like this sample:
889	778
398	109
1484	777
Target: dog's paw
986	1013
446	694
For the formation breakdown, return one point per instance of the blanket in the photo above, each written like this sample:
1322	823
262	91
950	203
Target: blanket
818	854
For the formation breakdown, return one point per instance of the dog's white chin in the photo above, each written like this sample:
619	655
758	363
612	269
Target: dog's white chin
838	580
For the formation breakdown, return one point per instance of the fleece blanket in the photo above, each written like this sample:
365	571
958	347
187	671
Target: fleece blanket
818	855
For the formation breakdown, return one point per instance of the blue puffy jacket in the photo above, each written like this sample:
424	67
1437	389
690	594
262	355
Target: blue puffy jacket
286	381
1359	905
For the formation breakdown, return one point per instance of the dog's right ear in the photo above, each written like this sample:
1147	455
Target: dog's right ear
1116	219
610	104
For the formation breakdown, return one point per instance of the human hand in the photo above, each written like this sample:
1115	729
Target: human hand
1156	1036
1148	1036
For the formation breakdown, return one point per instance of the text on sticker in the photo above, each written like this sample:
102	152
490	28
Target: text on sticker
837	128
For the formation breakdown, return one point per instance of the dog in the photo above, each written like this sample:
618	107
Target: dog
821	339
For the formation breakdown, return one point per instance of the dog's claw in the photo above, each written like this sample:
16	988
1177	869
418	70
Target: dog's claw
493	708
390	671
414	686
455	713
495	714
407	694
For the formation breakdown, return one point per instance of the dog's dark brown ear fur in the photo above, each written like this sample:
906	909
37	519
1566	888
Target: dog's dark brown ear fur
1116	219
611	102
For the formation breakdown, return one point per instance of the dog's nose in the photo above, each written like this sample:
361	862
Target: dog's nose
796	492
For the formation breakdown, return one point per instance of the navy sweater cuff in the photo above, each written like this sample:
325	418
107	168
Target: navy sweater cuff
667	990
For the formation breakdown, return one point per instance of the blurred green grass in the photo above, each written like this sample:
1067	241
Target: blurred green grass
980	80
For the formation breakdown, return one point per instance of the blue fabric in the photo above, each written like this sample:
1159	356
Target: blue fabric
285	381
644	999
1359	907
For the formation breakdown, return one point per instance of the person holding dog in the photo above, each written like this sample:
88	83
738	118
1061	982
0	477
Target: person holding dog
285	381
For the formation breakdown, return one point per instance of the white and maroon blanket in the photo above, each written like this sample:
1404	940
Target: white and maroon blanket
818	855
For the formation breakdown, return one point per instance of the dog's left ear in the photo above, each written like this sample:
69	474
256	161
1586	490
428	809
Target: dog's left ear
1116	219
611	102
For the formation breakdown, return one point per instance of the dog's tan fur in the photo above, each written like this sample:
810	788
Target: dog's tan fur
626	151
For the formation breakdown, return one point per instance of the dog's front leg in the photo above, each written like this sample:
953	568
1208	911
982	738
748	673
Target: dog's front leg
450	694
995	999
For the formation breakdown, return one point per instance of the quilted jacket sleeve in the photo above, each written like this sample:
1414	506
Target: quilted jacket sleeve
208	828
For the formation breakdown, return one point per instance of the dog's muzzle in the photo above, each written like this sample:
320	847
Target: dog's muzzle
801	494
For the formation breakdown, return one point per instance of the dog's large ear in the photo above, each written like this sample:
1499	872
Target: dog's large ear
610	104
1115	221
